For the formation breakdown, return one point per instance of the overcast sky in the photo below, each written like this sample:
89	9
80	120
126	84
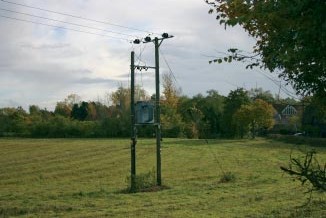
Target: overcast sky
42	64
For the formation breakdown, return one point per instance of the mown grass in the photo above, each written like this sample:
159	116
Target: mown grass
85	178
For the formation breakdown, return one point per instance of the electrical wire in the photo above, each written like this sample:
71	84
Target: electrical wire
79	17
167	64
141	51
276	82
94	28
65	28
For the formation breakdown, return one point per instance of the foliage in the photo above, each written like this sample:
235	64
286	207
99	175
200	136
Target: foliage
201	116
13	121
172	125
256	116
233	102
291	37
309	170
80	112
170	92
314	116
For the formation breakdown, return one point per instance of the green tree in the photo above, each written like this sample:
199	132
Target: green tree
233	102
290	37
14	122
202	114
80	112
314	116
34	110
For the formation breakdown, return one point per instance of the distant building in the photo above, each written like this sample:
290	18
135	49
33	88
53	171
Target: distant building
283	115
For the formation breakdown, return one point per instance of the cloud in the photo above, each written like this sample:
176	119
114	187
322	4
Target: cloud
86	80
42	65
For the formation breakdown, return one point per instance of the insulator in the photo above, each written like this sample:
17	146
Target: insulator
165	35
148	39
136	41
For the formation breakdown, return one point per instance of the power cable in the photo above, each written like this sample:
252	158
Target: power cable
141	51
65	28
79	17
276	82
167	64
31	15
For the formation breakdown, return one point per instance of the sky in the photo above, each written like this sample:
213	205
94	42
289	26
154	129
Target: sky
43	64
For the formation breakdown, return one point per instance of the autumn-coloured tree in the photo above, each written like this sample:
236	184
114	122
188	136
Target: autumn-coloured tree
170	118
254	117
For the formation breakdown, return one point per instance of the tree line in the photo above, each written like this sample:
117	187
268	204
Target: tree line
240	114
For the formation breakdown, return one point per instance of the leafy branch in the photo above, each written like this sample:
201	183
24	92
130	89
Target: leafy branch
235	54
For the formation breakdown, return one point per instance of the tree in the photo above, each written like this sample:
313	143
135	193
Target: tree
34	110
72	99
314	116
256	116
171	120
170	92
91	111
291	37
212	108
13	122
233	102
202	114
80	112
64	108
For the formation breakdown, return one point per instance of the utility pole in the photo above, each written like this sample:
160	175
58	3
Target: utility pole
157	42
133	127
158	114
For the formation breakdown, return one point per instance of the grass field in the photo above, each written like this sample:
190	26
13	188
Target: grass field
85	178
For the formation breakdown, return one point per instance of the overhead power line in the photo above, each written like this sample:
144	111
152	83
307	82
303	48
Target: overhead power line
45	18
282	87
65	28
79	17
167	64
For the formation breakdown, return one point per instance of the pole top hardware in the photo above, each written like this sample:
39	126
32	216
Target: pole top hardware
149	39
140	67
136	41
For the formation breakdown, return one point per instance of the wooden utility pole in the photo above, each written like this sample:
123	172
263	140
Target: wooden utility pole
133	127
158	113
